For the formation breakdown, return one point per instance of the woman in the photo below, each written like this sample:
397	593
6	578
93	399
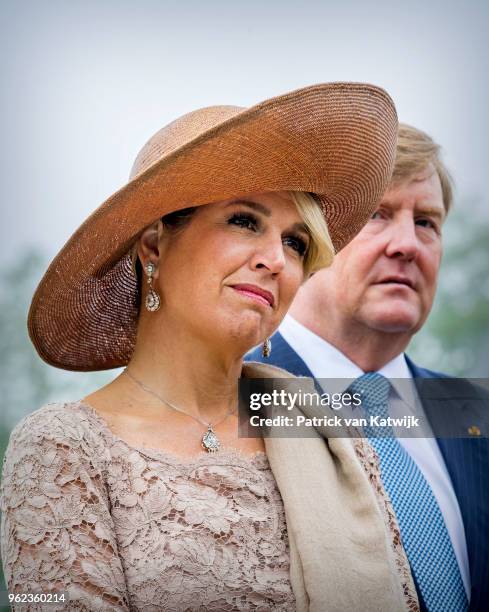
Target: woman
116	499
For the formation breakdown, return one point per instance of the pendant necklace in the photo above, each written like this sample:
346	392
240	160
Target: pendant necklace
210	441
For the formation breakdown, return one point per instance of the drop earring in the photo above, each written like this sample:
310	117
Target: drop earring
266	348
152	298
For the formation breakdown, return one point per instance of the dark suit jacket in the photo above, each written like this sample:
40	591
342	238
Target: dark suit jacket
466	459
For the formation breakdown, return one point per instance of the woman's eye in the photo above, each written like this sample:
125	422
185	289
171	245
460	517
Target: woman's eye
243	220
377	215
296	243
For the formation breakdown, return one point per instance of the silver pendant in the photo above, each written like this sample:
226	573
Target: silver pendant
210	441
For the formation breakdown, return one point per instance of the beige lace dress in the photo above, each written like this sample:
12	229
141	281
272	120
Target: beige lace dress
123	528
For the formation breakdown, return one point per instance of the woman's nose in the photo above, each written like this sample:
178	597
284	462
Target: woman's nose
270	255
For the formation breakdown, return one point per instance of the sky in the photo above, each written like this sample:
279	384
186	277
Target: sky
86	83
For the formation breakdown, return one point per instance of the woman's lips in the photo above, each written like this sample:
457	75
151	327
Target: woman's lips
255	293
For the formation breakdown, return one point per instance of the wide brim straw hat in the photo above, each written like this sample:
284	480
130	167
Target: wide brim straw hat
335	140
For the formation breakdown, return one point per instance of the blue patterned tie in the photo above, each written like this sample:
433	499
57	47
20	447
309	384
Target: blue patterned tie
424	533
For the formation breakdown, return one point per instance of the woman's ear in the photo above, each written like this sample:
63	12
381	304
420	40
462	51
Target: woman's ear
149	245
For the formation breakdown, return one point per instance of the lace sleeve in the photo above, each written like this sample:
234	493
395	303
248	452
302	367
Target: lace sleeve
57	532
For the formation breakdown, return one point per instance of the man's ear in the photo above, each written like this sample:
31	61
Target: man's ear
149	245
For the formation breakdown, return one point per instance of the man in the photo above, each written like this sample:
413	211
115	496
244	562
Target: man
358	316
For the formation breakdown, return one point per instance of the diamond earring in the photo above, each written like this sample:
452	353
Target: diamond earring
152	298
266	348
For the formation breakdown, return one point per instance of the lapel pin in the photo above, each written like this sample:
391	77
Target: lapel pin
474	430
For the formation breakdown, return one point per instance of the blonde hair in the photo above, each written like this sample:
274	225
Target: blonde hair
320	253
416	150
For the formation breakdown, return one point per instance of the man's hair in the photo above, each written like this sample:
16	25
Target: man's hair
415	150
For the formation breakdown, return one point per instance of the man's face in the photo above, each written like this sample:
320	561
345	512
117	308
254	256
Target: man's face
385	279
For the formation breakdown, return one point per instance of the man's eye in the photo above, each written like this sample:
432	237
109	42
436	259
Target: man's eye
426	223
243	220
377	215
297	244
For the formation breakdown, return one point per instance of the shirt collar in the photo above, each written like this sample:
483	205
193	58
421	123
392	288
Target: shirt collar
322	358
326	361
401	379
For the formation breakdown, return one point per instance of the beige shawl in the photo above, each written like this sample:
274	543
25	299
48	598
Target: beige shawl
345	547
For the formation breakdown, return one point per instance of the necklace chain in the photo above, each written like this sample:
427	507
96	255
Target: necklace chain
165	401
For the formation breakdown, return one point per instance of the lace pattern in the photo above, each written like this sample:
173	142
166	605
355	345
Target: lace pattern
122	528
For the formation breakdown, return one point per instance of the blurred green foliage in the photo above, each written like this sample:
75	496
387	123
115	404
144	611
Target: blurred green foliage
455	339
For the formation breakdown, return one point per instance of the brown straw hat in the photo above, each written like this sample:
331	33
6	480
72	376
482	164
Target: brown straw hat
336	140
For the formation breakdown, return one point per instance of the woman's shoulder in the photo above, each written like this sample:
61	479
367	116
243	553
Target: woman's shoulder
62	423
53	445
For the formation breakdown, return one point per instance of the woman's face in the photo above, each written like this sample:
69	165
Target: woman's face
230	275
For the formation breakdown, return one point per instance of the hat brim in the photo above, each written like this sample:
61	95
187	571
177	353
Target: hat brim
336	140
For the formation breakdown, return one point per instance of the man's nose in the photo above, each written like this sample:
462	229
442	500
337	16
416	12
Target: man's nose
270	255
403	241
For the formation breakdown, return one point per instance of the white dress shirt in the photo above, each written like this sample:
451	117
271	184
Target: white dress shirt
326	361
